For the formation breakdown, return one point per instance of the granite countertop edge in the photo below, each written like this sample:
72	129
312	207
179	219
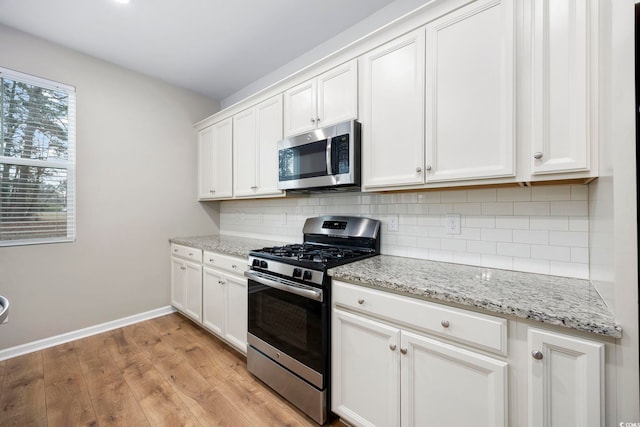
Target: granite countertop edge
530	296
523	295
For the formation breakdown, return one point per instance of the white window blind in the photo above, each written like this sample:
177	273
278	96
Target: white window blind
37	160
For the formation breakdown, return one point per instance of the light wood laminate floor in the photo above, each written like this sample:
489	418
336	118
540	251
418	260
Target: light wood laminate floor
162	372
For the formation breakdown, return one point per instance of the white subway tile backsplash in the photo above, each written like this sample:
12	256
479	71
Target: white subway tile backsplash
550	192
514	249
513	222
551	253
570	208
496	235
558	223
540	237
569	238
531	208
497	208
540	229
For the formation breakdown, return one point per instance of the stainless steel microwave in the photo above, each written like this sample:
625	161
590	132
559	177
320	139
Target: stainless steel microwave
323	158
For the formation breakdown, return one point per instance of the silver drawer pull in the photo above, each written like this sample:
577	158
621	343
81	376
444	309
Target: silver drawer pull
175	250
537	354
190	253
360	301
445	323
211	260
392	347
403	350
538	155
234	266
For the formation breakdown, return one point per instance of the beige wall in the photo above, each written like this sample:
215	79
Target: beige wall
136	187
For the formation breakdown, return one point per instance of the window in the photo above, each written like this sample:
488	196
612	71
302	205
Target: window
37	160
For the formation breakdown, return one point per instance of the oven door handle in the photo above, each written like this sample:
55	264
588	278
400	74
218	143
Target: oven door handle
307	293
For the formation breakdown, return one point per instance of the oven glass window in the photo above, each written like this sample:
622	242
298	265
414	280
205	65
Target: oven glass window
304	161
288	322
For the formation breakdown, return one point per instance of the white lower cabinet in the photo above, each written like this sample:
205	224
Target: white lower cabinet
224	310
566	380
186	281
386	375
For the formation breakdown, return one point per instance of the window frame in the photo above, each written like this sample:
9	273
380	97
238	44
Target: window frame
69	164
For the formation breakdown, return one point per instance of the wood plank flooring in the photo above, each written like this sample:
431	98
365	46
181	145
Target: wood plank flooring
162	372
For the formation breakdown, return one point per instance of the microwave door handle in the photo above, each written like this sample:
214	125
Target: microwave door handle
306	293
329	168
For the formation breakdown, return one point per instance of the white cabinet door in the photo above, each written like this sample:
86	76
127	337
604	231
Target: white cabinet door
338	95
560	130
470	92
392	100
178	283
193	291
443	385
330	98
269	132
213	303
244	153
365	370
215	161
206	167
300	112
236	309
566	381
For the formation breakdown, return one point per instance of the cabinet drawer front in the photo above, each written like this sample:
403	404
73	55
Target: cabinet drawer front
225	262
192	254
475	329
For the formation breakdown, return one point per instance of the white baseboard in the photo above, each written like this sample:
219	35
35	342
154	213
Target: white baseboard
19	350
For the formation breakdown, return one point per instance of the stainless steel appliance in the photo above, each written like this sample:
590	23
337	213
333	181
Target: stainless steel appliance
289	307
323	158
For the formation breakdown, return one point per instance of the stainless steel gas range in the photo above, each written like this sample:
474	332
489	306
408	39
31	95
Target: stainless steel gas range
289	307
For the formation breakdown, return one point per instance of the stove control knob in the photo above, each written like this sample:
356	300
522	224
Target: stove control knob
263	264
255	263
297	272
307	275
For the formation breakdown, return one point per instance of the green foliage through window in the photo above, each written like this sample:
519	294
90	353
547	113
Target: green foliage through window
37	160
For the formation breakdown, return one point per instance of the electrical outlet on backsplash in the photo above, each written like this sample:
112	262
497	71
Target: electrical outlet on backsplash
540	229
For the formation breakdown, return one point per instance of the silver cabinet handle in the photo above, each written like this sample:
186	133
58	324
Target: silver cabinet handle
183	268
360	301
313	120
221	282
175	250
392	347
537	354
234	266
211	260
254	187
190	253
403	350
538	155
318	119
212	191
428	167
418	169
445	323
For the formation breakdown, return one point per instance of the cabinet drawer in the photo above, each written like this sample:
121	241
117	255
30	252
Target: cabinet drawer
192	254
225	262
478	330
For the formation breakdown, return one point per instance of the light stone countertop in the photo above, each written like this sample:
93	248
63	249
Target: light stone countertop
226	245
573	303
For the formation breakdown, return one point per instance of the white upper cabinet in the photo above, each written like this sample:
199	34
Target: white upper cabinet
562	84
214	161
322	101
256	132
392	100
470	92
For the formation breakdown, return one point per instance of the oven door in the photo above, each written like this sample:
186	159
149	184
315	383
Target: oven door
289	323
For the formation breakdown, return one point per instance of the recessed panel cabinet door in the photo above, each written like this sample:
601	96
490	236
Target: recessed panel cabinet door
236	305
338	94
300	111
366	370
193	300
470	93
269	132
213	304
444	385
178	283
392	100
244	158
566	381
215	147
561	136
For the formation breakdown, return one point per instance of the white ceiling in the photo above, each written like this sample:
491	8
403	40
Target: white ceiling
214	47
